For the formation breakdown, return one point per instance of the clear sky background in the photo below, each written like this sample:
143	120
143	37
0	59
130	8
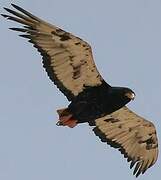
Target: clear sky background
126	39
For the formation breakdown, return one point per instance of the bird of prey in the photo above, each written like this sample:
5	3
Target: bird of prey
69	63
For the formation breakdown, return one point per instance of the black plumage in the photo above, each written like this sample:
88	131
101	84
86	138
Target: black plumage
95	102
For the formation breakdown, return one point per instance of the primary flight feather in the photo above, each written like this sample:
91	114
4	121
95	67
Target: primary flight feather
69	63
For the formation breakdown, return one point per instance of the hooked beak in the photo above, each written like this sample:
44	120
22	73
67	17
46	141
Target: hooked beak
130	95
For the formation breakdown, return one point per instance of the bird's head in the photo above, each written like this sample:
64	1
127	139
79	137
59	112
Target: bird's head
122	95
128	93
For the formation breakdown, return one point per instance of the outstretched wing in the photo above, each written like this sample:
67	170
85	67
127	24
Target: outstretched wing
134	136
67	59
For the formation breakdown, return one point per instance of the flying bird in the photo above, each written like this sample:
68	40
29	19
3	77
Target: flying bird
69	63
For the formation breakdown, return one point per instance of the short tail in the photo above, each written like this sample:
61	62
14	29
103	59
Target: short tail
66	118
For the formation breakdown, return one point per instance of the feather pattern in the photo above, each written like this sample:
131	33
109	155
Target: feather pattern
67	59
134	136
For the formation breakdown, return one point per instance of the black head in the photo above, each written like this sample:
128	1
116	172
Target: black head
123	93
127	93
120	96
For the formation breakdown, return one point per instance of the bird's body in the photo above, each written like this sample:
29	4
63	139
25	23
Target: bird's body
95	102
69	63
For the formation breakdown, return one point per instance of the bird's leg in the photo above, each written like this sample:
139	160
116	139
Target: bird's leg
66	118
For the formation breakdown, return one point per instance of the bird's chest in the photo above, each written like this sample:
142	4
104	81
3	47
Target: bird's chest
91	104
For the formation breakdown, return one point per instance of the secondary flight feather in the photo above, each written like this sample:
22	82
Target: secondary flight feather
69	63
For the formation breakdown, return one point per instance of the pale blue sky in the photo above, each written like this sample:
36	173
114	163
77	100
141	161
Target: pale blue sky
126	40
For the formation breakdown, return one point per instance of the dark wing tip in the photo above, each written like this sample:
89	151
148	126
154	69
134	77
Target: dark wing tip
25	12
4	15
8	10
16	7
5	8
132	163
18	29
25	36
